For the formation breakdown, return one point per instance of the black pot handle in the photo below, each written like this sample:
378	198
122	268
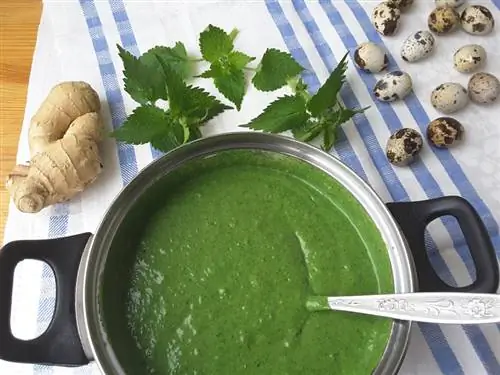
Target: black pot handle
413	218
60	343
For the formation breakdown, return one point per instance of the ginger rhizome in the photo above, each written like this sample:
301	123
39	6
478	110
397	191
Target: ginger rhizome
63	139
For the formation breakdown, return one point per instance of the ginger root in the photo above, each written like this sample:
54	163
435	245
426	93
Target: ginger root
63	137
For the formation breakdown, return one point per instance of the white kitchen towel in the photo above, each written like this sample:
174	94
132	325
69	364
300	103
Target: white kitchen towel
77	41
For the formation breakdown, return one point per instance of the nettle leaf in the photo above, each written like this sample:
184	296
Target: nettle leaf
226	68
194	134
176	88
160	73
239	60
309	130
326	124
275	70
203	106
285	113
232	86
230	81
142	125
343	115
193	104
175	57
149	123
176	136
215	43
327	95
329	137
144	76
143	82
333	120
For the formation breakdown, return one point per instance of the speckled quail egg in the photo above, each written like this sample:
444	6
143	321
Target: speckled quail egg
417	46
477	20
484	88
445	132
386	18
392	86
449	3
370	57
403	146
402	4
449	97
443	20
469	58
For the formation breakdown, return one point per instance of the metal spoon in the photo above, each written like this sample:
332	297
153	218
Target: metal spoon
442	308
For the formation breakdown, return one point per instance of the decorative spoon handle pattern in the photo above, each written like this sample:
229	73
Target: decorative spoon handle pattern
442	308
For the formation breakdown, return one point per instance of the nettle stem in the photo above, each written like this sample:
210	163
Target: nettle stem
298	87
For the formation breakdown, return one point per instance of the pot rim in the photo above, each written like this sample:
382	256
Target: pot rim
90	323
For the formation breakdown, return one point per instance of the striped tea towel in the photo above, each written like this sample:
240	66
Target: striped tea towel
77	39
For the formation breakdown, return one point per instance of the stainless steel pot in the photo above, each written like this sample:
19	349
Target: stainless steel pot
77	334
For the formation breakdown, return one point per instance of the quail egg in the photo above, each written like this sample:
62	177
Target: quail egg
449	3
370	57
477	19
392	86
449	97
445	132
417	46
403	146
469	58
386	18
484	88
443	20
402	4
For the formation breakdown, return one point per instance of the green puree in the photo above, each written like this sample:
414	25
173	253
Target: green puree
229	249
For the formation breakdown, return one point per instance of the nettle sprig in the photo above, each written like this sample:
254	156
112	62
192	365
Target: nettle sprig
163	73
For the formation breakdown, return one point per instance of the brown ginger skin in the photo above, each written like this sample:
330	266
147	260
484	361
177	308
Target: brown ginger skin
63	138
64	103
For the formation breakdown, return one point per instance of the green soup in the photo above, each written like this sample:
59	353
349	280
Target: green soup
212	270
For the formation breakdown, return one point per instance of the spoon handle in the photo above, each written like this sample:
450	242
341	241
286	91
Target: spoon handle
442	308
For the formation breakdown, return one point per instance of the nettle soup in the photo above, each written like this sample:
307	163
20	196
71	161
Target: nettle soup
211	272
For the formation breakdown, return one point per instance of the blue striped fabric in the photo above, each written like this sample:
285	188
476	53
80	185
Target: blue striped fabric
126	154
43	370
58	222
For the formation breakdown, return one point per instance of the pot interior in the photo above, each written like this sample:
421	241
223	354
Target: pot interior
210	270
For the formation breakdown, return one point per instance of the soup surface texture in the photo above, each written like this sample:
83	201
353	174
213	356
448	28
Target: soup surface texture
226	251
